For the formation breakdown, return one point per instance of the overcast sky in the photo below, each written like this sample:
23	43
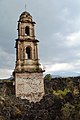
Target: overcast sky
57	29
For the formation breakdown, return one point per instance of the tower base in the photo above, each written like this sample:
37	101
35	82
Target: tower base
29	86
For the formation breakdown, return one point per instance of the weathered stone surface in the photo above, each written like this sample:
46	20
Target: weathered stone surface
29	86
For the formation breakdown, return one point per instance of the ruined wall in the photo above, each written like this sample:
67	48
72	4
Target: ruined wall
29	86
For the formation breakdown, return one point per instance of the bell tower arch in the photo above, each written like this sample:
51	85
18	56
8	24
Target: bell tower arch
27	30
28	74
29	52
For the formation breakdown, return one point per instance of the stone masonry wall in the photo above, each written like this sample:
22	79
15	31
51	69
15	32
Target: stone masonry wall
29	86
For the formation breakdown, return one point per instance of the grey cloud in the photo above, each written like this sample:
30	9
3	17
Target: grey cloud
6	59
60	16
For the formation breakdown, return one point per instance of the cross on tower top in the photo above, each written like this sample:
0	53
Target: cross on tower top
25	5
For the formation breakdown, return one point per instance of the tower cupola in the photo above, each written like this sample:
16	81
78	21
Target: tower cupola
26	26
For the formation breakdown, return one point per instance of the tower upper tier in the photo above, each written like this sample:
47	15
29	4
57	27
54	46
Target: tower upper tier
26	26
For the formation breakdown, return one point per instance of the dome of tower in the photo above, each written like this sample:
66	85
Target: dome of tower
25	15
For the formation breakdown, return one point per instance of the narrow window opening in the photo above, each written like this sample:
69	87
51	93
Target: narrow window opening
28	53
27	30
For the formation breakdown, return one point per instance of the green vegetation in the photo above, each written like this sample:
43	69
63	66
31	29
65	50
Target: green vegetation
61	93
61	101
68	91
48	77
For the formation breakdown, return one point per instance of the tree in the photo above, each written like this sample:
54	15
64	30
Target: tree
48	77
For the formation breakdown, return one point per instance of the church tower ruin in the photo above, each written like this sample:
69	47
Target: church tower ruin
29	83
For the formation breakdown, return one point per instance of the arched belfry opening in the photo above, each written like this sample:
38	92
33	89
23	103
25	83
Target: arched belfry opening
28	52
27	31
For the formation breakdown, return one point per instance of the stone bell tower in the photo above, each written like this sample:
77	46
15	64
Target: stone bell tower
29	83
